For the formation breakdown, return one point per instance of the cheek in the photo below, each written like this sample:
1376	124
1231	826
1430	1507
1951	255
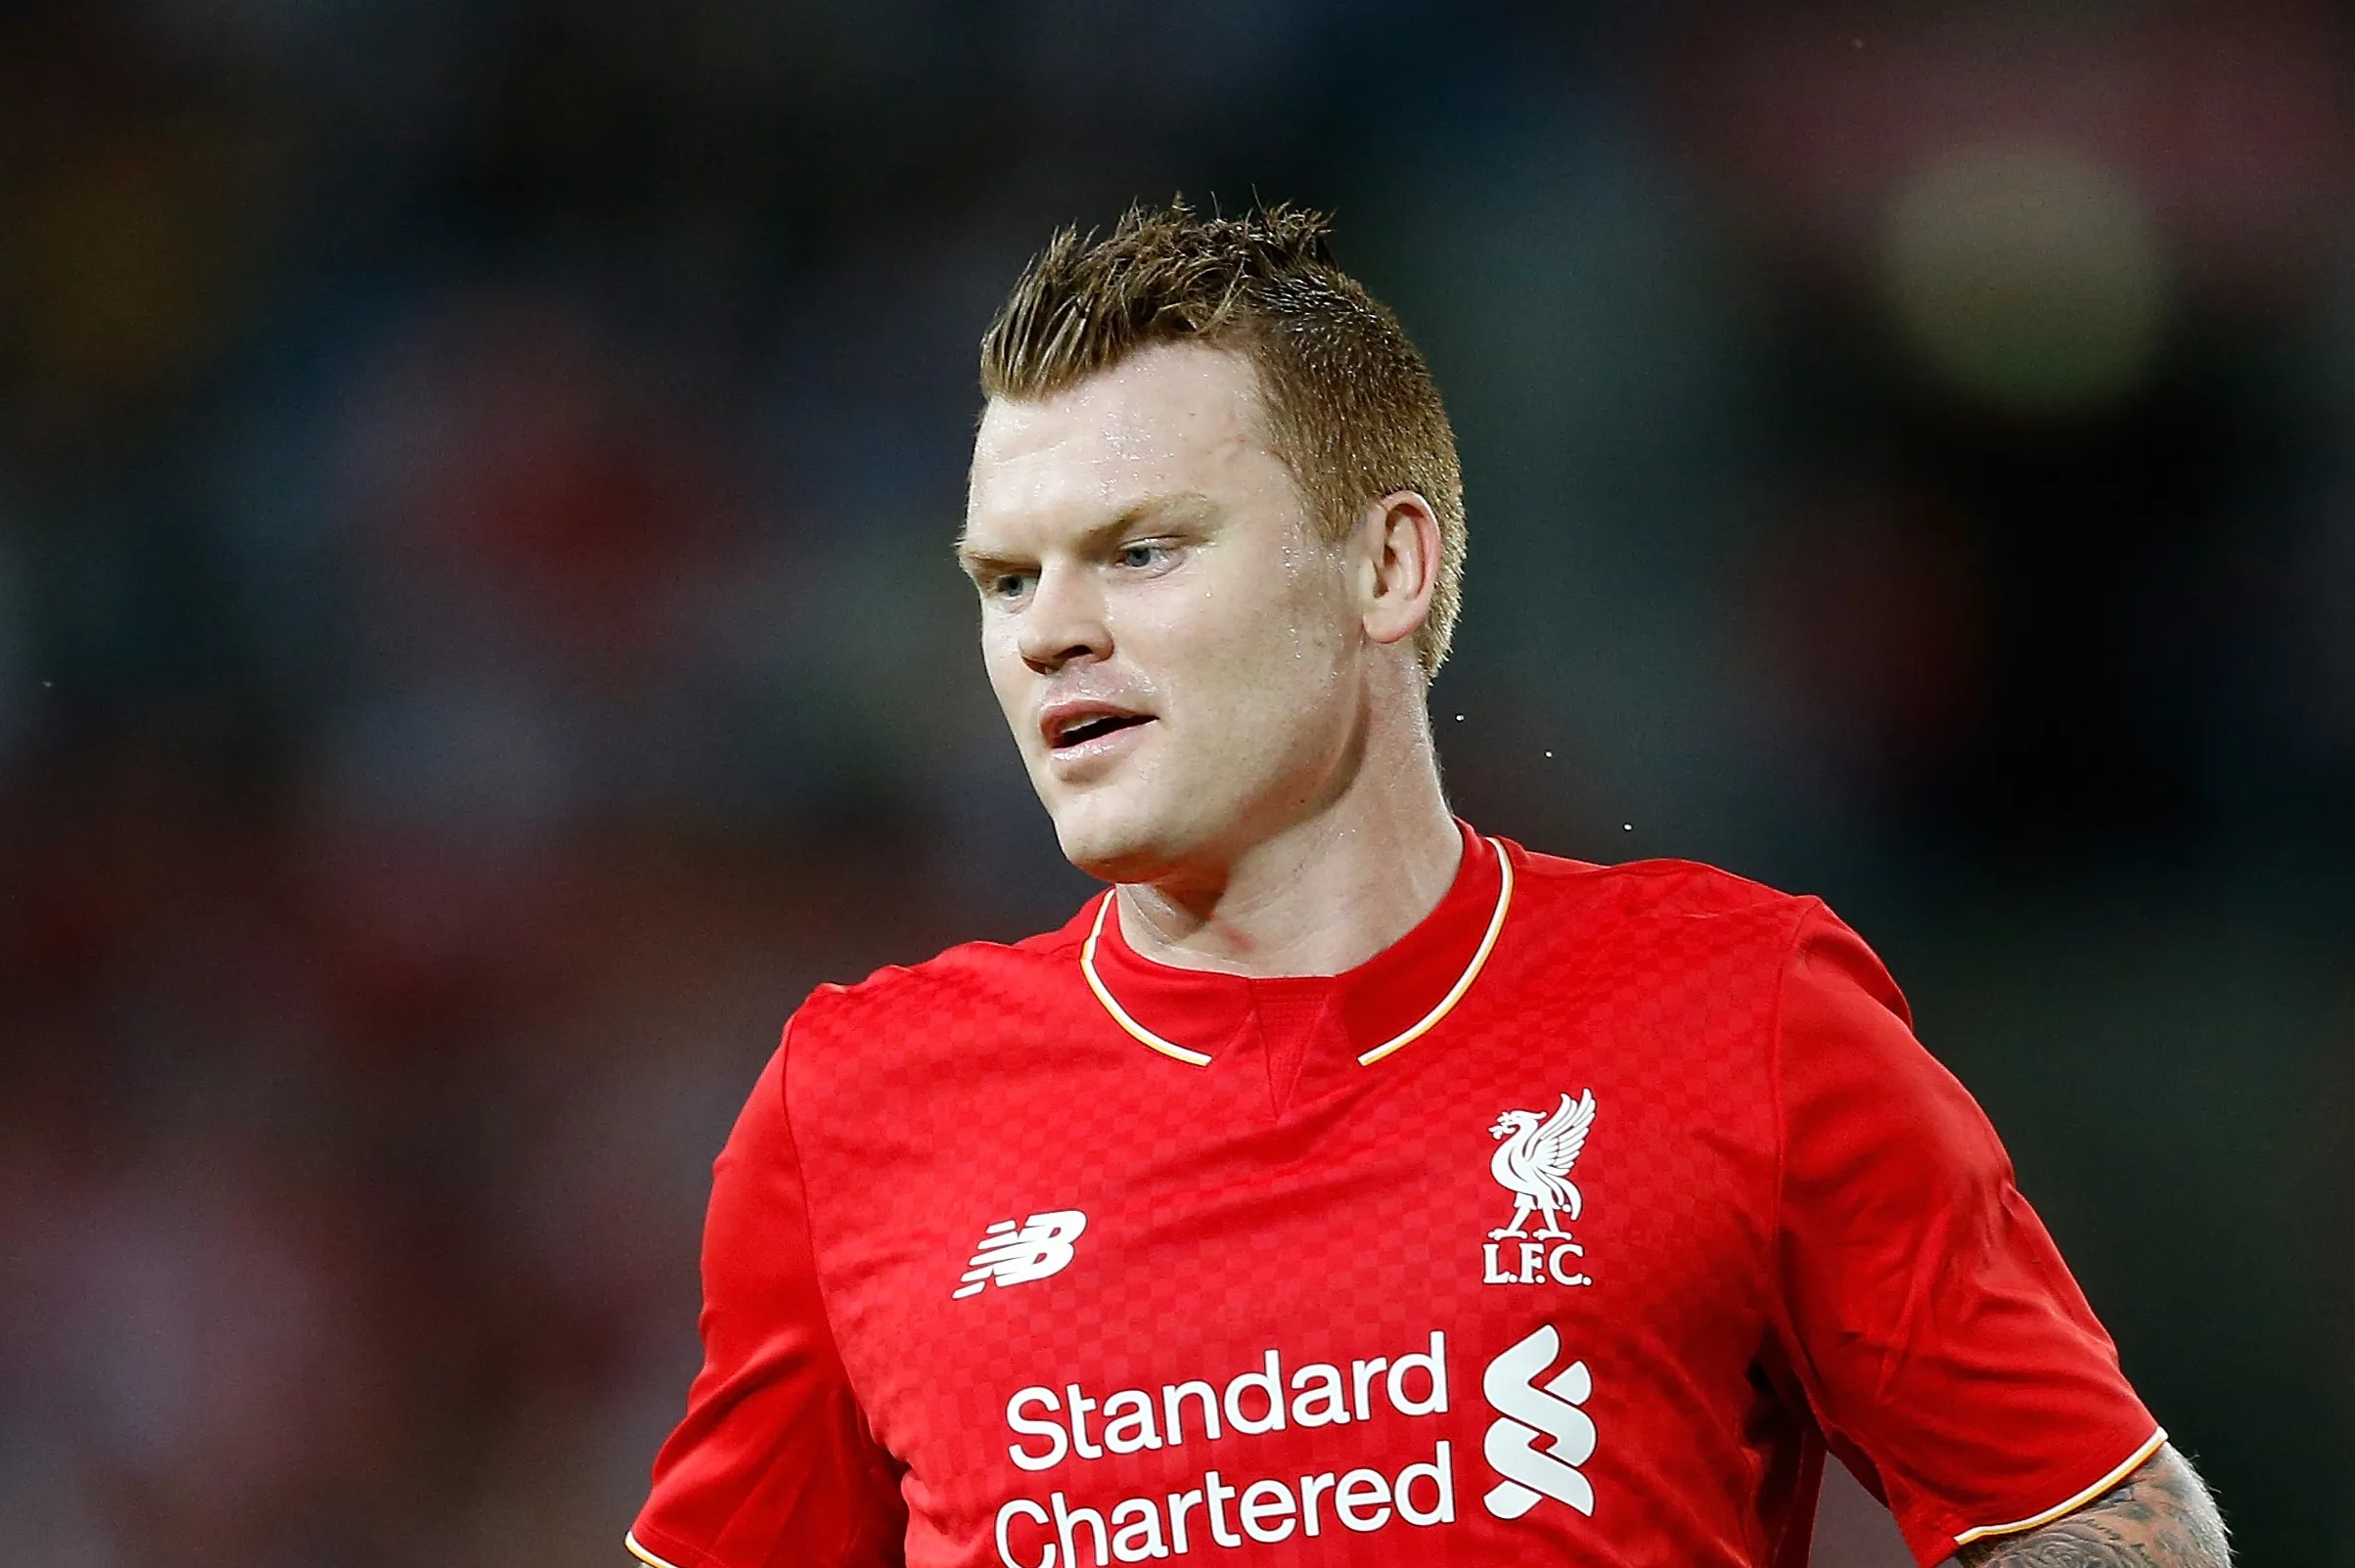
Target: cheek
1008	676
1306	631
1268	657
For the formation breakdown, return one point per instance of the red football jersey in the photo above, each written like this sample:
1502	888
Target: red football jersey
1569	1228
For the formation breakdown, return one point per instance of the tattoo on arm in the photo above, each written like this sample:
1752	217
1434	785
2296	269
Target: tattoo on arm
2160	1517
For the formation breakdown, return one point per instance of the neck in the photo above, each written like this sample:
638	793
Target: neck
1318	897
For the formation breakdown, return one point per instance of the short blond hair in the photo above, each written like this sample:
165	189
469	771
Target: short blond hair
1350	404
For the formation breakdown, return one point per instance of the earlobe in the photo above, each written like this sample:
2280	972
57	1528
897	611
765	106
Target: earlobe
1401	537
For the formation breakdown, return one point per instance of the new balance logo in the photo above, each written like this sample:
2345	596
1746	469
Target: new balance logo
1010	1257
1531	1412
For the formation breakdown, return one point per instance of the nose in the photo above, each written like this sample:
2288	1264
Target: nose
1065	621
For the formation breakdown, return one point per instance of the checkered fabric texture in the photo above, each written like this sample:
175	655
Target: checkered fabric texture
1796	1228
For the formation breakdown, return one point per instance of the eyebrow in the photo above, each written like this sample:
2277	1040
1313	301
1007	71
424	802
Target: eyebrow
1173	504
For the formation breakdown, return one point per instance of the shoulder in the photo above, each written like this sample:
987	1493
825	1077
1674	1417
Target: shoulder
1675	893
968	984
1698	916
1705	914
1660	927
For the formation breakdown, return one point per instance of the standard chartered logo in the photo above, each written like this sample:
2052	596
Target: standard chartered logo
1099	1482
1071	1429
1531	1412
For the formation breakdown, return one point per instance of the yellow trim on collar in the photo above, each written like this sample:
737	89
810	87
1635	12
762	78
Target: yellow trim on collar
1422	1027
1472	972
1087	967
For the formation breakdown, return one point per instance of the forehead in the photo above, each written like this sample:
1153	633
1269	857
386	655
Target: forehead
1171	418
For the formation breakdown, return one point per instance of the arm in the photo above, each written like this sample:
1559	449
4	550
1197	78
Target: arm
2160	1517
774	1462
1940	1340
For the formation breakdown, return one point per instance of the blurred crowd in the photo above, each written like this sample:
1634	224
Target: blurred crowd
478	640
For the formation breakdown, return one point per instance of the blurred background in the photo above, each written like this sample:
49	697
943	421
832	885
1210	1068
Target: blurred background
478	640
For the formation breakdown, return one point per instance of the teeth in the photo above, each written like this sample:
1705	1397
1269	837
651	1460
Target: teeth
1088	729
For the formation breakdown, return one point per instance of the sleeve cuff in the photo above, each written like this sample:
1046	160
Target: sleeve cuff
2071	1504
642	1555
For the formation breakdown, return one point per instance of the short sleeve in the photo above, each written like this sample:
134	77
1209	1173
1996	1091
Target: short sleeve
774	1463
1950	1357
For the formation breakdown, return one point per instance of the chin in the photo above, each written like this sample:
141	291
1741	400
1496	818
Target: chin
1114	842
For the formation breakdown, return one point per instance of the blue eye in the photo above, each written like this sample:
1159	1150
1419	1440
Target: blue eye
1140	557
1009	585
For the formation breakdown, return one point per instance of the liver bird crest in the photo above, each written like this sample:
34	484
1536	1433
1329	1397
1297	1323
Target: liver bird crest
1534	1163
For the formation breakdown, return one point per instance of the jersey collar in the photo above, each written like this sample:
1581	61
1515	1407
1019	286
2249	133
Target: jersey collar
1383	1005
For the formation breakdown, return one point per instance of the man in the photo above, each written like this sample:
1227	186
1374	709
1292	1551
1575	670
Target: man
1344	1186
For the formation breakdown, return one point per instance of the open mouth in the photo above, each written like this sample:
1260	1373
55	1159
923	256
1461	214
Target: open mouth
1083	728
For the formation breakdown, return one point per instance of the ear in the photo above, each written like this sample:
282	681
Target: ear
1397	565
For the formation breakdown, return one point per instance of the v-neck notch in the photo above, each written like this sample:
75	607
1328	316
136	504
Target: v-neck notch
1361	1015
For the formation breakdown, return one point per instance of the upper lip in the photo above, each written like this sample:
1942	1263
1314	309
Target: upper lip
1057	720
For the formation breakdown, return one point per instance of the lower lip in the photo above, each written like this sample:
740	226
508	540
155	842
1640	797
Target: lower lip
1098	748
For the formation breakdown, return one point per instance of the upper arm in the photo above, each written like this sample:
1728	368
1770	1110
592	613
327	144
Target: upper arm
773	1462
2158	1517
1941	1343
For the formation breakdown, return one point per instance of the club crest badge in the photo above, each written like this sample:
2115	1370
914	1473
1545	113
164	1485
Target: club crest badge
1532	1161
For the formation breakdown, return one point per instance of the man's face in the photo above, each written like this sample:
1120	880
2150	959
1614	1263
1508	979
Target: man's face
1173	645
